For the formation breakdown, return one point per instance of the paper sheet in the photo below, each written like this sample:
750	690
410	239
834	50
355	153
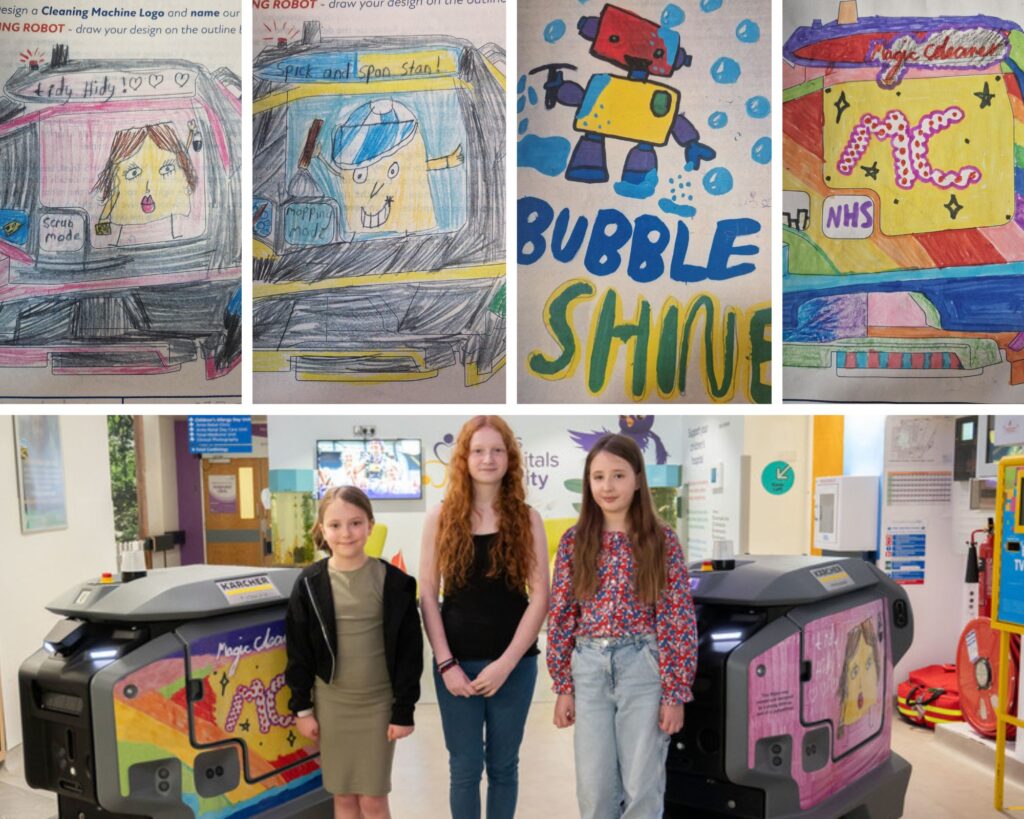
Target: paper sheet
903	201
379	201
119	200
644	244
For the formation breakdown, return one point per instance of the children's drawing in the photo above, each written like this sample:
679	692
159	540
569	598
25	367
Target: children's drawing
148	178
631	108
119	246
640	192
861	673
903	207
378	215
379	156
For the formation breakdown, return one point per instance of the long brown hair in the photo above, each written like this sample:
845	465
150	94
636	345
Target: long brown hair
512	554
129	140
864	630
646	531
349	494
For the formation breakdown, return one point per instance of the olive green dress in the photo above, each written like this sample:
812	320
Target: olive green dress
354	711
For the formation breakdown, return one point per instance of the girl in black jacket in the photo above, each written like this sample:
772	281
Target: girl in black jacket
355	656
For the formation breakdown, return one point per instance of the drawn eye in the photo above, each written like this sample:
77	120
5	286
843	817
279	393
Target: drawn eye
393	170
167	168
613	38
133	172
359	175
659	53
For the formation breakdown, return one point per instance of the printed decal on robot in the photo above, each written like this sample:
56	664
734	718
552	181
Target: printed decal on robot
240	675
850	682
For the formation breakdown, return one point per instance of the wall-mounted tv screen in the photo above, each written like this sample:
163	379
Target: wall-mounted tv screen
384	468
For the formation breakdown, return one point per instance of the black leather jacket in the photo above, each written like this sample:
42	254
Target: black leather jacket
310	629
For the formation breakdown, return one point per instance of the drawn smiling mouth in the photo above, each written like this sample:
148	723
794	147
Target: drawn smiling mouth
147	204
375	220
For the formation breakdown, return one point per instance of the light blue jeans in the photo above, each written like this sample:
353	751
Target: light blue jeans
620	751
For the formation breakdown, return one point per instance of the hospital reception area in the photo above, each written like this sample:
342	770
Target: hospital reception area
835	630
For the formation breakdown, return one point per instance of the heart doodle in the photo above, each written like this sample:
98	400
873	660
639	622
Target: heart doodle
135	83
180	78
155	80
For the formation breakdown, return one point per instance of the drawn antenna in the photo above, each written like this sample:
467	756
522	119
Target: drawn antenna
59	56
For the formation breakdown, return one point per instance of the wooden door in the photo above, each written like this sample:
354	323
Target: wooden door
235	518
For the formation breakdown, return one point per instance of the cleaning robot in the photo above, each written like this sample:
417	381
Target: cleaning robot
792	713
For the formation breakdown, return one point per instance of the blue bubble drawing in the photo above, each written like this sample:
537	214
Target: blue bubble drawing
672	16
532	94
725	70
521	104
719	119
523	126
762	151
549	155
676	209
748	31
758	107
554	31
521	85
717	181
710	5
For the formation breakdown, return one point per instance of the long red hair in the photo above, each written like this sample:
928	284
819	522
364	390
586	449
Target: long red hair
646	531
513	553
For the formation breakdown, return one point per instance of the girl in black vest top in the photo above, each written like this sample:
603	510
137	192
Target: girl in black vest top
487	550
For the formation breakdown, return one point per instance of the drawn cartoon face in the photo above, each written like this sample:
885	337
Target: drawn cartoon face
390	195
149	185
382	160
630	41
860	680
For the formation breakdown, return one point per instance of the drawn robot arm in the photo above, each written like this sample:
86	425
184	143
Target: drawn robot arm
694	150
452	160
557	89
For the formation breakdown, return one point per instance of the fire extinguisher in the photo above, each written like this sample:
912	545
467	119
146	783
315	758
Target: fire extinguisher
979	566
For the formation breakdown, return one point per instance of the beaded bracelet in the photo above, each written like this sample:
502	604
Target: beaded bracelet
447	665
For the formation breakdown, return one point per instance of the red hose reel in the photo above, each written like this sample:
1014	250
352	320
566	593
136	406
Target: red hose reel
977	665
977	651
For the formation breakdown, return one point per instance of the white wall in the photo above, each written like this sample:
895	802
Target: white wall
779	524
714	442
35	568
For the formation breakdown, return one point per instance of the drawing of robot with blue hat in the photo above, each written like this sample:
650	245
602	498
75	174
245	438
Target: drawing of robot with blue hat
379	156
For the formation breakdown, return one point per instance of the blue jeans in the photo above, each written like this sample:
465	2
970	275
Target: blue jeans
620	750
481	731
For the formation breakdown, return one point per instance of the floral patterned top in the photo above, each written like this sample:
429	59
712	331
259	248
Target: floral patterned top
614	611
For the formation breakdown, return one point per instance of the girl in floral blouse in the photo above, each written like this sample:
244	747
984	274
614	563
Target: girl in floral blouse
622	640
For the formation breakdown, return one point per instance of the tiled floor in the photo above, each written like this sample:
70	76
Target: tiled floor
945	784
